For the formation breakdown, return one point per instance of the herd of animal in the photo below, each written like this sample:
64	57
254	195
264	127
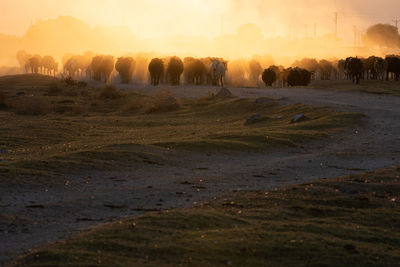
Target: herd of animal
211	70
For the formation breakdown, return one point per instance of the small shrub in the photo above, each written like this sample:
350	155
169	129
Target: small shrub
110	92
32	105
163	101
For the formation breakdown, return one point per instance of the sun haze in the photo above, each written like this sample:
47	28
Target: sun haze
228	28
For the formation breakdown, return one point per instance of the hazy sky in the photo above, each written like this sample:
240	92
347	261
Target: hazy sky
158	18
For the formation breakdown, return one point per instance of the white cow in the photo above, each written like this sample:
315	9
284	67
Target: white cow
217	72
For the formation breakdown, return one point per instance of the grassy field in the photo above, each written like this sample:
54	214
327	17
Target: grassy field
50	126
365	86
347	221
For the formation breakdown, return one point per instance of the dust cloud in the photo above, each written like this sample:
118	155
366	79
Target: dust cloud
275	32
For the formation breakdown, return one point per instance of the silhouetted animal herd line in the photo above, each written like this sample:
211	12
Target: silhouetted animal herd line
210	70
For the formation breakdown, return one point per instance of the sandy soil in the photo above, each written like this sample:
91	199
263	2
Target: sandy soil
45	213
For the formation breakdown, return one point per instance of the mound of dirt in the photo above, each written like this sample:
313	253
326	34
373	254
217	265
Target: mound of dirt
224	93
27	80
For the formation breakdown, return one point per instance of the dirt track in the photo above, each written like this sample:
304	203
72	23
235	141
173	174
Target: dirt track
186	178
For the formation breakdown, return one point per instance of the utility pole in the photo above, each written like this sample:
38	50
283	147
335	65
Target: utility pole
335	20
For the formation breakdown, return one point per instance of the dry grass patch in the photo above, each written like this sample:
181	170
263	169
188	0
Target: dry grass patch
365	86
110	92
210	126
162	121
135	104
163	101
80	109
3	100
348	221
54	90
32	105
27	80
61	89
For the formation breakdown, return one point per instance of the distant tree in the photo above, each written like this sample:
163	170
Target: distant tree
384	35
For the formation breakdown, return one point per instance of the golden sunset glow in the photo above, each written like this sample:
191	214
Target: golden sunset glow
286	29
199	133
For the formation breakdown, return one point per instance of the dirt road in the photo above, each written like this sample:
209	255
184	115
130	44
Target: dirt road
46	214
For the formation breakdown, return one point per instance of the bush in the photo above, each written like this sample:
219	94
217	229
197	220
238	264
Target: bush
110	92
32	105
163	101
